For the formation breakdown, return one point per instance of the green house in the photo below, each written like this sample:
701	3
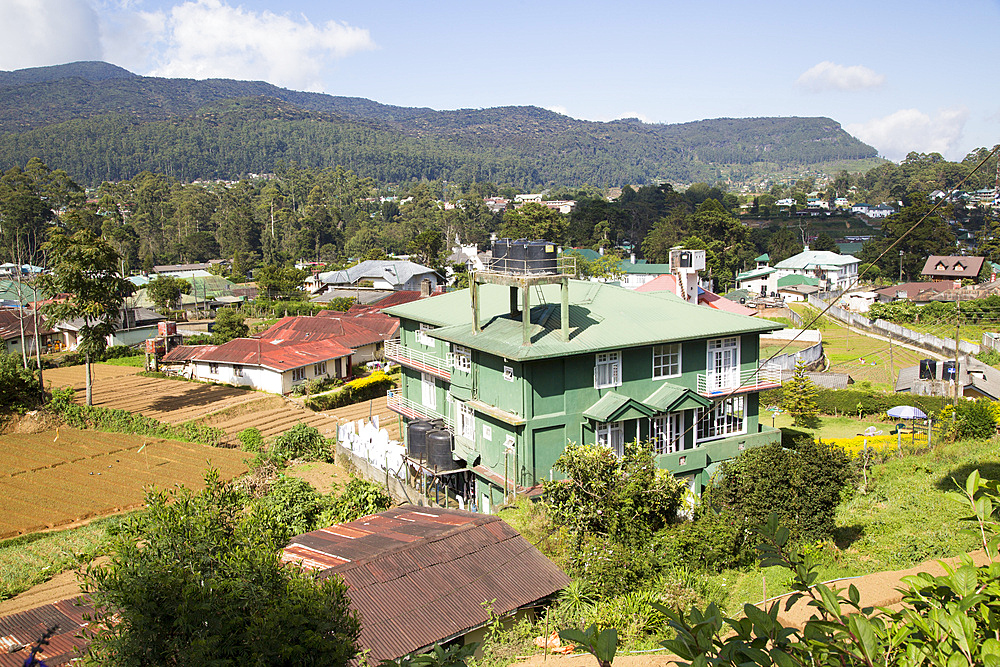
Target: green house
514	390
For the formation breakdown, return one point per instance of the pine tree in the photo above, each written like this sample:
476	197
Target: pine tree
800	398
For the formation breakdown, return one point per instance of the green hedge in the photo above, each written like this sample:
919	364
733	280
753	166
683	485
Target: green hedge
122	421
266	308
356	391
865	401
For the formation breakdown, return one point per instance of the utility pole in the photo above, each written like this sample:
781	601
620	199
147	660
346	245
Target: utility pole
958	324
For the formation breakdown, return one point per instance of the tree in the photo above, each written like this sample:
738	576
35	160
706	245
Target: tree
85	269
165	291
783	244
799	398
534	221
280	282
229	324
824	242
197	579
933	236
428	249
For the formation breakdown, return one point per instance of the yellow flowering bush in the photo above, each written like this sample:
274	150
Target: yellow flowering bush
877	443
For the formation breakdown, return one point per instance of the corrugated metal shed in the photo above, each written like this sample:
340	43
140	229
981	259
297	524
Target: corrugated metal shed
419	575
602	317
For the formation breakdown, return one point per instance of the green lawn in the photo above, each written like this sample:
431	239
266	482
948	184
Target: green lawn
862	357
909	514
138	361
831	427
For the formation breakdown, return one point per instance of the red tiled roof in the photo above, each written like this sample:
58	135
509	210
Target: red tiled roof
350	331
913	289
256	352
418	575
668	283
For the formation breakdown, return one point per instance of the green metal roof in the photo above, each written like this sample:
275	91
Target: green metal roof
601	317
763	258
614	407
672	398
626	266
755	273
792	280
808	259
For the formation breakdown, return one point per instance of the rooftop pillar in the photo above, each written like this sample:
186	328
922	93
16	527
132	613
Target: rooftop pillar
564	310
525	315
474	286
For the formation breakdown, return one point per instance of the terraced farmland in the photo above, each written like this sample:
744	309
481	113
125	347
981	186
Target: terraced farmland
54	478
228	408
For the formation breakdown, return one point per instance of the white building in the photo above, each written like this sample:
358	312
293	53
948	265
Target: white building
383	274
259	364
832	270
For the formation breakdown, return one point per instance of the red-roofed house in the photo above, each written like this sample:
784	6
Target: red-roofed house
364	333
262	364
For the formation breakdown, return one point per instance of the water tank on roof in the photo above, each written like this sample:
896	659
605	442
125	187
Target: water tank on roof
517	256
439	447
951	370
928	369
416	439
501	249
541	257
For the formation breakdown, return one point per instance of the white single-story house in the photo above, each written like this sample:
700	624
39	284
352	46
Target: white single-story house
266	365
134	327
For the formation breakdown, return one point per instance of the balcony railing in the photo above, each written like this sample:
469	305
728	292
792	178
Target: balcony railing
715	384
411	409
421	361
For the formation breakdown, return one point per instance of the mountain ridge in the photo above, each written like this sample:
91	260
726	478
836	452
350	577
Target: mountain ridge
44	108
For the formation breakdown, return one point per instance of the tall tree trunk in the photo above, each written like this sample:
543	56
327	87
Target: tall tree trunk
38	346
90	390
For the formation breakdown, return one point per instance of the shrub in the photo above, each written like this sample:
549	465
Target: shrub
713	541
302	442
355	391
251	439
974	419
19	389
802	486
612	567
859	402
359	498
295	504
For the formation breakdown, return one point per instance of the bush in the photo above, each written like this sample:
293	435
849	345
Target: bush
19	389
612	567
295	504
355	391
251	439
974	419
359	498
713	541
302	442
802	486
860	402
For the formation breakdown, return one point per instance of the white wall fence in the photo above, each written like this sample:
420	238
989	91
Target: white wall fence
942	346
810	356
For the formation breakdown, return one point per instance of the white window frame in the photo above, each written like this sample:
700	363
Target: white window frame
725	418
320	368
238	370
666	432
465	421
428	391
213	369
607	369
666	361
461	358
422	336
719	373
612	435
298	374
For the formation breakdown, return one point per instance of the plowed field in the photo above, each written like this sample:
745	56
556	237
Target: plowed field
54	478
228	408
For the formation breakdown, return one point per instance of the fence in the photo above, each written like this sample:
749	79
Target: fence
941	346
787	362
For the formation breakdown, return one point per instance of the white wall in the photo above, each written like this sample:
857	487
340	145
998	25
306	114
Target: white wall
265	379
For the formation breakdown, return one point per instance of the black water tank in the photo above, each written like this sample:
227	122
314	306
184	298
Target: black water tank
439	445
416	439
517	256
951	369
501	249
541	257
928	369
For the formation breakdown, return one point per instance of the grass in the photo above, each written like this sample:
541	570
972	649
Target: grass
862	357
30	560
138	361
909	513
832	427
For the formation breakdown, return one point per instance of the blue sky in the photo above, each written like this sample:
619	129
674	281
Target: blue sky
900	76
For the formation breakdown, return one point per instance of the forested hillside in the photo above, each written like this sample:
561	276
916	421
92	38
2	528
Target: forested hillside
100	122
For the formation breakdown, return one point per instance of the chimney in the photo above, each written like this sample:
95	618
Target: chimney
425	287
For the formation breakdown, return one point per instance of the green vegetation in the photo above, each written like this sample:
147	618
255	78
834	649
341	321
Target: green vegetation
33	559
799	398
122	421
229	324
19	391
197	578
355	391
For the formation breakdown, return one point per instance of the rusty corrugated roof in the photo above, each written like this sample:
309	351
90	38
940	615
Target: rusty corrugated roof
419	575
26	627
351	331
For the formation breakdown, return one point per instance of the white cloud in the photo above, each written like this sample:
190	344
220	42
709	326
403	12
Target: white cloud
47	32
558	109
208	38
831	76
908	130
